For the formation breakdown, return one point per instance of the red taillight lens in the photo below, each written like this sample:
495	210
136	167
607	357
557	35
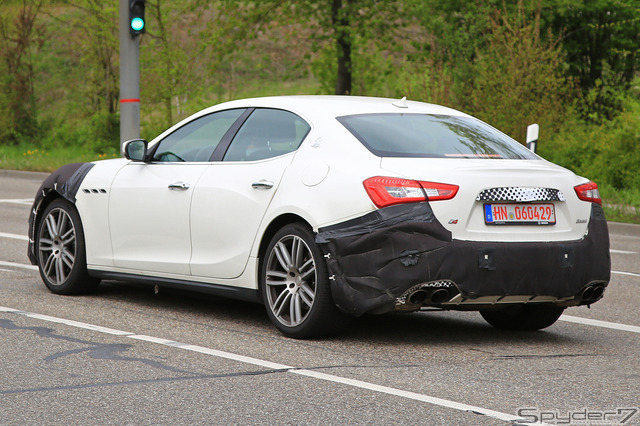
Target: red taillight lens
439	191
386	191
589	192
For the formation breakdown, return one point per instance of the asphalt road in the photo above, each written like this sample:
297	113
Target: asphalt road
125	355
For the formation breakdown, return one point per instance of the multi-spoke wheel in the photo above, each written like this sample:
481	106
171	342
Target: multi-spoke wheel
61	251
294	284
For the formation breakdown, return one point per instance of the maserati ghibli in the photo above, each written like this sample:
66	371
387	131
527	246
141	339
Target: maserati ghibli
325	207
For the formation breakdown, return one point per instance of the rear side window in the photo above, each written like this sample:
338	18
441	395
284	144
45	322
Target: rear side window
267	133
432	136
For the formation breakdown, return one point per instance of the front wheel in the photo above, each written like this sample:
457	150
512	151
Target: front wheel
61	251
295	285
523	317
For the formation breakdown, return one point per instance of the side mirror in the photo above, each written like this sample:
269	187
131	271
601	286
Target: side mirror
532	137
135	150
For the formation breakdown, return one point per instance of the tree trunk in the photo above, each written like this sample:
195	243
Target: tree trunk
340	21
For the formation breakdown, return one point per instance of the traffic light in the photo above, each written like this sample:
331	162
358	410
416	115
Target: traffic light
137	24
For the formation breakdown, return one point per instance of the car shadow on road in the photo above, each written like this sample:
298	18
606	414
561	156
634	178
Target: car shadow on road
432	328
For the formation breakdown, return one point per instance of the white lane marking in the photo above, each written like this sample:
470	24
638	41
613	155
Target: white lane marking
622	251
409	395
598	323
275	366
19	265
23	201
14	236
632	274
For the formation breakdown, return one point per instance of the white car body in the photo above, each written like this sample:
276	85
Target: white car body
204	222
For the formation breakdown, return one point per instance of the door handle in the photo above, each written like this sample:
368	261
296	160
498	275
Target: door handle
262	184
179	186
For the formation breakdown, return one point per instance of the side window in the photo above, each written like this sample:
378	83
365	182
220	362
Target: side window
267	133
196	140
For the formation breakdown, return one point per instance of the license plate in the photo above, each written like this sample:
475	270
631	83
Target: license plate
519	214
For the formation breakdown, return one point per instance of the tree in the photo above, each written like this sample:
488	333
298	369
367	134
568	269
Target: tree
18	37
602	42
93	34
340	30
518	75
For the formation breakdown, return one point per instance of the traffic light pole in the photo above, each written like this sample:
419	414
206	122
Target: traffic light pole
129	79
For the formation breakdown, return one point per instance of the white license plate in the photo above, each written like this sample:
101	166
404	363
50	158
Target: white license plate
519	214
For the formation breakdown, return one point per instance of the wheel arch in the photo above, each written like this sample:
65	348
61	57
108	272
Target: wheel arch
63	183
276	224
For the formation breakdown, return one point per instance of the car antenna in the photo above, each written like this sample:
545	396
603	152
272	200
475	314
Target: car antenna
402	103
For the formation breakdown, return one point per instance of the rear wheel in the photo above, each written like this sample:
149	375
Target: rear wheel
523	317
295	285
61	251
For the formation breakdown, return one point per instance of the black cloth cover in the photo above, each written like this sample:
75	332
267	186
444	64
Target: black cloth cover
374	259
66	182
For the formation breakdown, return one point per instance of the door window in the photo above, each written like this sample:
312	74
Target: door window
267	133
196	140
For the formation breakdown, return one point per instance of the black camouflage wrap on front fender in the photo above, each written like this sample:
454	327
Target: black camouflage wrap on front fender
65	182
374	259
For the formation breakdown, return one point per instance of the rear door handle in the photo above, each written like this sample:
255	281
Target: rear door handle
262	184
179	186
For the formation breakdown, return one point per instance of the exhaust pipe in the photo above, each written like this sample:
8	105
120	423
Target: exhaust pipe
598	292
432	296
439	296
426	294
592	293
587	294
418	297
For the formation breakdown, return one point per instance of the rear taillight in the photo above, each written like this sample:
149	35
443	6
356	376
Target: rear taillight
386	191
589	192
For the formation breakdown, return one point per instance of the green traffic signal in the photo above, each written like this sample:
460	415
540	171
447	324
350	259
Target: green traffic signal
137	23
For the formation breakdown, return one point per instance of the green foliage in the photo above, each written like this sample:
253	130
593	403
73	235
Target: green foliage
606	153
518	77
602	42
20	35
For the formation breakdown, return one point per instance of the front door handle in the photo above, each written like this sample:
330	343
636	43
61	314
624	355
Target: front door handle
262	184
179	186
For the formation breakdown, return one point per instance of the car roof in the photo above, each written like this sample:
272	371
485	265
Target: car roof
336	106
317	108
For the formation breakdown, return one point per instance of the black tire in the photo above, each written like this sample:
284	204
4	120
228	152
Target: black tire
523	317
295	288
60	250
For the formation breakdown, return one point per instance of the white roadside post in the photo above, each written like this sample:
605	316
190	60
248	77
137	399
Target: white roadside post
532	136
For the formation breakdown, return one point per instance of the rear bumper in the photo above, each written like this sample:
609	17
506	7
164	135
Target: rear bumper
377	261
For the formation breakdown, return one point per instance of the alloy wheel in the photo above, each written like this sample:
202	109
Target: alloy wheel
57	246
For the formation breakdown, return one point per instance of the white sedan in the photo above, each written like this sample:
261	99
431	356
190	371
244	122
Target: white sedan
322	207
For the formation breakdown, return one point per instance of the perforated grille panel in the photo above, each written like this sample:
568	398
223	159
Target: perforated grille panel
520	194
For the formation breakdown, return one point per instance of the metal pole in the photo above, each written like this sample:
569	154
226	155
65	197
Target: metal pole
129	79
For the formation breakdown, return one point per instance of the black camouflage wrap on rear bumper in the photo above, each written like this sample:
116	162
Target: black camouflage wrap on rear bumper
374	259
65	182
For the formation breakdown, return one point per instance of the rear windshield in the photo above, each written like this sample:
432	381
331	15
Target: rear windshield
434	136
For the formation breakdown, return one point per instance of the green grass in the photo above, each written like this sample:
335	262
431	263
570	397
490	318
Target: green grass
30	158
621	205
